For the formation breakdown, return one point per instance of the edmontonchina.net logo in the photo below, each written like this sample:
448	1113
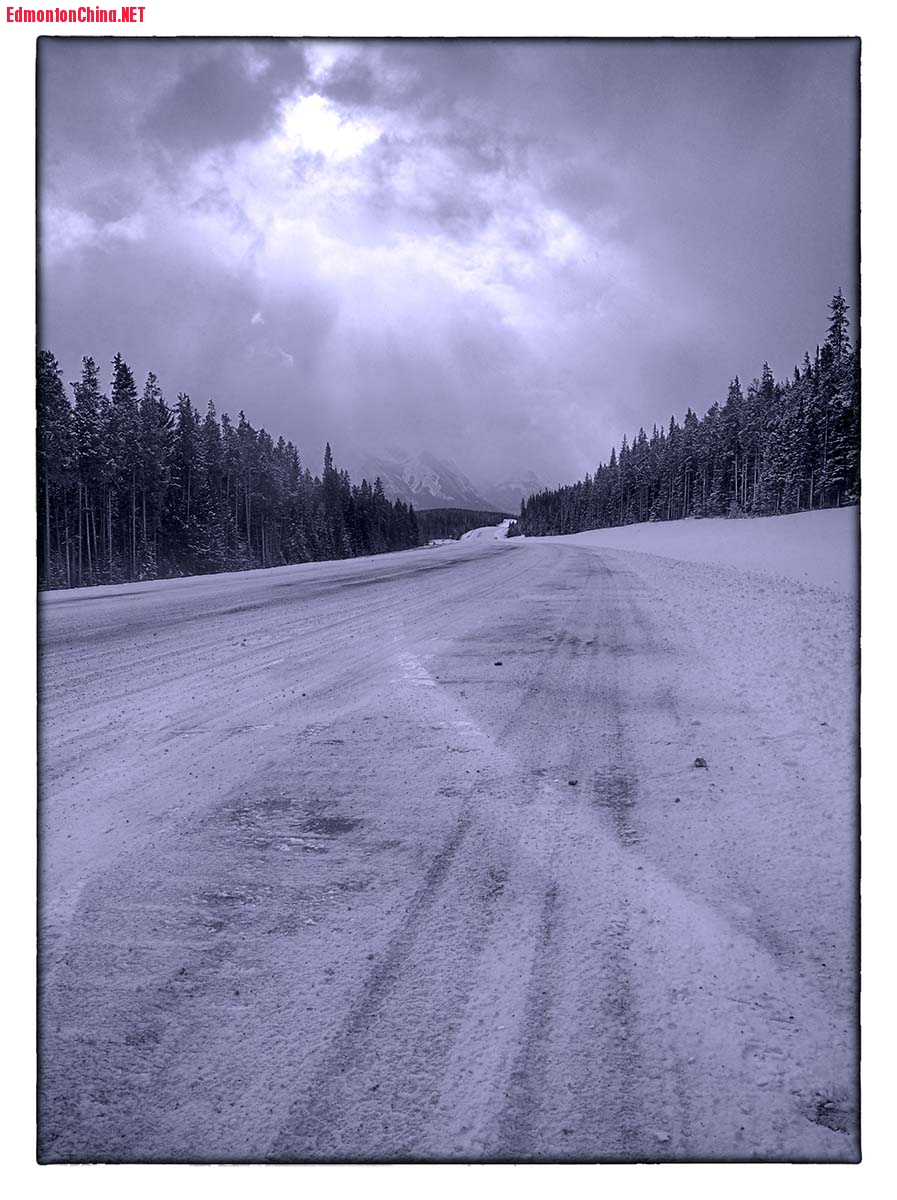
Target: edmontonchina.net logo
76	16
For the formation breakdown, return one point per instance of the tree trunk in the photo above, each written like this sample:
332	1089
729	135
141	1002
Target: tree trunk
102	539
93	525
68	570
46	532
133	523
80	552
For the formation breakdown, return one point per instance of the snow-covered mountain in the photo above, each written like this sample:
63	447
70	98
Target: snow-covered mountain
507	494
424	481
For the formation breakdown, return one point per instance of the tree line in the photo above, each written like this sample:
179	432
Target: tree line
451	523
774	447
130	488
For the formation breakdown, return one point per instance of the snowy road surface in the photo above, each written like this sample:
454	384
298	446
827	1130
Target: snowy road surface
407	858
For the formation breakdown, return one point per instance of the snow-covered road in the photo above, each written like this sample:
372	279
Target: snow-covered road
408	858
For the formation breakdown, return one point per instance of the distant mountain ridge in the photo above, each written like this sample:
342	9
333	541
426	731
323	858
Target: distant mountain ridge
507	494
430	482
424	481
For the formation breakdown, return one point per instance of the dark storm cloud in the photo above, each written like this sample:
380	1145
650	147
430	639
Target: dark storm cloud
227	97
118	99
355	81
215	103
513	252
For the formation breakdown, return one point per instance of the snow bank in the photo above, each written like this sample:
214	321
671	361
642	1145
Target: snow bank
818	548
487	531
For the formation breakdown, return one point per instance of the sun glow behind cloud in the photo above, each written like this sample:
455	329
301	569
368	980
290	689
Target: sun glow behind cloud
297	206
312	124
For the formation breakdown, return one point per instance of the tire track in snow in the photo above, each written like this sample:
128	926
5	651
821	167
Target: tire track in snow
459	918
379	1092
518	1135
320	1120
574	1008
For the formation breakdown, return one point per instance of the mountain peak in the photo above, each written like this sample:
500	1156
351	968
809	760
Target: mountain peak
422	480
427	481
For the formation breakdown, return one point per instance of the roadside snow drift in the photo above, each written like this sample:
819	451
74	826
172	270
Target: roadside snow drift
818	547
487	532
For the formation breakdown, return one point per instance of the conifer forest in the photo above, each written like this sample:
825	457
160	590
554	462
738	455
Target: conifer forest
452	523
130	488
770	448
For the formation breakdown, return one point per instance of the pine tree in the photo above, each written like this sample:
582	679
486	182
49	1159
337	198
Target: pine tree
837	338
88	459
54	472
156	425
124	448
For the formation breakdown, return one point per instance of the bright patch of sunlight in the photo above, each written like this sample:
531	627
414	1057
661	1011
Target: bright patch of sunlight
315	125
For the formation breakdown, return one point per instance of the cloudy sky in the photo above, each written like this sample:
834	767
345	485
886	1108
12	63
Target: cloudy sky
509	253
